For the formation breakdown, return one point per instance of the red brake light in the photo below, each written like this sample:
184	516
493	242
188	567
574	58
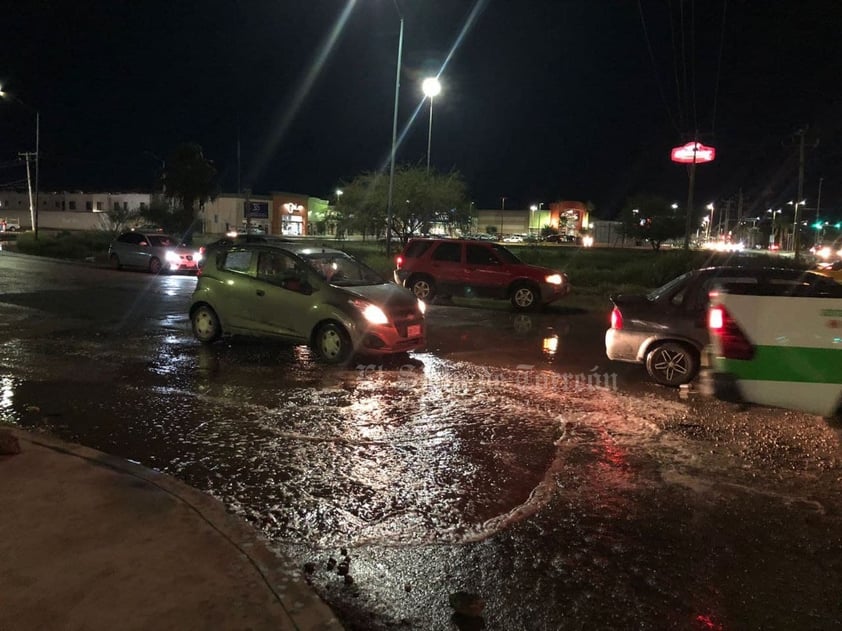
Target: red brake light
733	342
616	319
399	262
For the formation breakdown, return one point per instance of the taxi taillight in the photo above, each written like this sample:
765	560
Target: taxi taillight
733	342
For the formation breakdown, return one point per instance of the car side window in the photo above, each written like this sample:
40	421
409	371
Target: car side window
276	267
479	255
237	261
449	252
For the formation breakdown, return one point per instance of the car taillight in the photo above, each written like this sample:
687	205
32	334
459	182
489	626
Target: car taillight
733	342
616	319
399	262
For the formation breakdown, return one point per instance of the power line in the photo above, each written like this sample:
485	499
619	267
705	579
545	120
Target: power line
718	67
678	94
655	67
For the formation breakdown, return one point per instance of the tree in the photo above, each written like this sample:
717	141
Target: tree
421	200
652	218
119	219
189	179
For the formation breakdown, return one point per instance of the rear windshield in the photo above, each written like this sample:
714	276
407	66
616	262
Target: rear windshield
416	249
343	270
162	240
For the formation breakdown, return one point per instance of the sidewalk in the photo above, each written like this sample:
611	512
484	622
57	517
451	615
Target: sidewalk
90	541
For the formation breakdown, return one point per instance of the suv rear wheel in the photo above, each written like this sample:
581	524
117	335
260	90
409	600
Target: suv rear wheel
423	287
672	363
525	297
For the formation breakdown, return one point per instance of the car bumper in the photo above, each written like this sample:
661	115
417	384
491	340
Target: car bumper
388	339
400	276
551	293
625	346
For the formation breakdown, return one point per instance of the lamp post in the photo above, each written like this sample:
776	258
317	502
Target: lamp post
795	204
33	210
431	88
772	236
710	207
394	142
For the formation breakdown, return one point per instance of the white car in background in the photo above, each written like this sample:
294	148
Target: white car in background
153	252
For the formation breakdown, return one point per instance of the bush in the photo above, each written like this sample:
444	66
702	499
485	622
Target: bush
65	244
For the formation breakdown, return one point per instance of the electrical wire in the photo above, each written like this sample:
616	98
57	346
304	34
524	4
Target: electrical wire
718	68
655	68
693	63
679	98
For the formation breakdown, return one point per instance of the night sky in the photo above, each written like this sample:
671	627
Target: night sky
542	100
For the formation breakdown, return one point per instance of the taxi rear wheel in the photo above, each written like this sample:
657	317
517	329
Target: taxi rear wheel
332	343
672	363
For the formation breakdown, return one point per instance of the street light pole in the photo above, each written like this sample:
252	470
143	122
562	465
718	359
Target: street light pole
431	88
394	142
33	209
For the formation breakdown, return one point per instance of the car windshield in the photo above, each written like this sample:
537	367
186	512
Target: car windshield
342	269
162	240
505	255
664	290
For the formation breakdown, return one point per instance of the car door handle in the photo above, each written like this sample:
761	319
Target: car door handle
260	292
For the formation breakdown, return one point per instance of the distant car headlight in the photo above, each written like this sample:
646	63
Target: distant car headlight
422	307
372	313
172	257
554	279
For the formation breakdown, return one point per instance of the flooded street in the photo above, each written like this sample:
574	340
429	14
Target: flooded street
510	460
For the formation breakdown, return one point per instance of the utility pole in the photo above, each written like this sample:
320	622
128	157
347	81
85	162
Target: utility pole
26	156
502	212
795	240
727	218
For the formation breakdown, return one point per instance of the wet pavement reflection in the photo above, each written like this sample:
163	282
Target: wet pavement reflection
509	459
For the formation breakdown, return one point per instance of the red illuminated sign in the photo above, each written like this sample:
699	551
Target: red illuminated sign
693	152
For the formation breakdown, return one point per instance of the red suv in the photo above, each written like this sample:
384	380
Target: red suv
476	269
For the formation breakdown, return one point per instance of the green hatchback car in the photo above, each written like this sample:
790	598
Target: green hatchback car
304	294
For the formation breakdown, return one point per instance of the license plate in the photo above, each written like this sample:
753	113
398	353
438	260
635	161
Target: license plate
413	330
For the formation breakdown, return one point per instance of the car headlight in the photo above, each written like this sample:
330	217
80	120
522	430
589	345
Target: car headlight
422	307
554	279
172	257
372	313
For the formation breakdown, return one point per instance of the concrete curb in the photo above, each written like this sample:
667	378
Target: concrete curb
306	610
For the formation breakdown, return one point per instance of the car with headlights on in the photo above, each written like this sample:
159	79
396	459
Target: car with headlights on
476	269
153	252
304	294
666	330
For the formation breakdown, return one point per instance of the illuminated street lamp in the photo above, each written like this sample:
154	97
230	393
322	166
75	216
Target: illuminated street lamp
431	88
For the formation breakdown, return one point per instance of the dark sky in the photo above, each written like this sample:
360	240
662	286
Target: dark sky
542	99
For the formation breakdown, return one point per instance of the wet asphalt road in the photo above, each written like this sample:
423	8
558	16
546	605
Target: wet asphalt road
509	460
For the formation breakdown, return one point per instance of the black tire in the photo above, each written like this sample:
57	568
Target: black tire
114	260
332	344
672	363
423	287
155	265
525	297
206	326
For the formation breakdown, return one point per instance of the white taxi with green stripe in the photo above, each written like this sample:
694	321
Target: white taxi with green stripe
778	350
